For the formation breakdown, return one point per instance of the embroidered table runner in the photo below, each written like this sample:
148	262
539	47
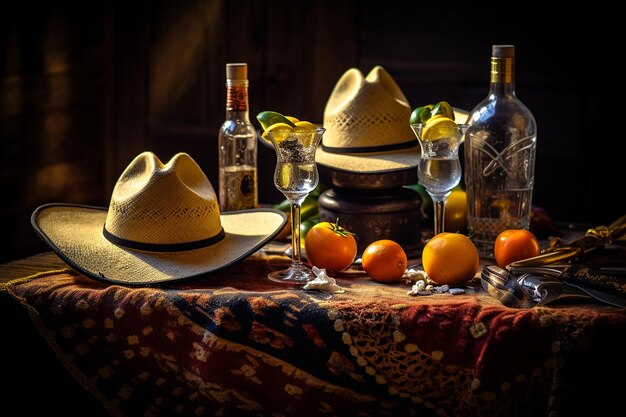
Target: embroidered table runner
237	344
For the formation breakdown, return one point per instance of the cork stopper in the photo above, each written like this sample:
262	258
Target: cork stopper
503	51
237	71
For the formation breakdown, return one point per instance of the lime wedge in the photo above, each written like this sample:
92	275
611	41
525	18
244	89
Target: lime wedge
444	108
420	114
268	118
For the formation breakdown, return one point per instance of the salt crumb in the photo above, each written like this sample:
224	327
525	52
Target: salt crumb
424	286
322	282
414	275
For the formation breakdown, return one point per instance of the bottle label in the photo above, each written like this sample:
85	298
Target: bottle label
236	98
238	190
502	70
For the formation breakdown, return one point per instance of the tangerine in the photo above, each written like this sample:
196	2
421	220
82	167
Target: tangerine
514	245
384	260
450	258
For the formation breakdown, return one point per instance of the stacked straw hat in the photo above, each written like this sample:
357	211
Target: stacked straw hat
367	125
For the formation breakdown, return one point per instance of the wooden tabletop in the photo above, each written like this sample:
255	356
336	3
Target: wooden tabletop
31	265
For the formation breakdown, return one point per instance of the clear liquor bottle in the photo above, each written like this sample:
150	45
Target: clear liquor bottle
500	150
237	158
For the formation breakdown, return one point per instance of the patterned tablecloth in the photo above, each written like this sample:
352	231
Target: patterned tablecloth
237	344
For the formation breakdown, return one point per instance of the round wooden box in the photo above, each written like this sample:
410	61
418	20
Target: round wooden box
374	206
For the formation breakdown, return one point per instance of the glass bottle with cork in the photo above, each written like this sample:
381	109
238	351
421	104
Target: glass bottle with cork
500	150
237	157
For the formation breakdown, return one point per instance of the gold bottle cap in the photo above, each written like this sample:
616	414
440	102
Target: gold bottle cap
237	71
502	64
503	51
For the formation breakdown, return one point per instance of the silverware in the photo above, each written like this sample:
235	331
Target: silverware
502	284
565	274
539	286
577	249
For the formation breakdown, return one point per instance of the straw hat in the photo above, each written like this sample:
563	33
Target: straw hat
163	225
367	125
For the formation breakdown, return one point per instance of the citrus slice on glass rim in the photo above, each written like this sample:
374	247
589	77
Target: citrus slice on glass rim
268	118
282	131
438	128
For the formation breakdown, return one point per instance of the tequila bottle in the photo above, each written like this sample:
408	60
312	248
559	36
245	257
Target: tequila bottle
500	148
237	158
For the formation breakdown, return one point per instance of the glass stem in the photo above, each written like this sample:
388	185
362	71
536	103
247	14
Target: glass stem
439	205
295	234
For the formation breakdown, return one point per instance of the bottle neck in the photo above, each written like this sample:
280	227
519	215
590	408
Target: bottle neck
237	99
502	81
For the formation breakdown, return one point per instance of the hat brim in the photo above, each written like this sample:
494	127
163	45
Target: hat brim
74	232
397	160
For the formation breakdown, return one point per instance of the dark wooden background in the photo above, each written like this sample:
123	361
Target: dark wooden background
87	85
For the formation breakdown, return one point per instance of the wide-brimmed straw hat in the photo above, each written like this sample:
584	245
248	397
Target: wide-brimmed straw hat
163	225
367	125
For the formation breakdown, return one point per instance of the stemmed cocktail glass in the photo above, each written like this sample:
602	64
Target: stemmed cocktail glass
439	169
295	176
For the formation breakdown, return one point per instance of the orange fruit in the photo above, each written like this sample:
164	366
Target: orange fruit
384	260
329	246
514	245
455	213
450	258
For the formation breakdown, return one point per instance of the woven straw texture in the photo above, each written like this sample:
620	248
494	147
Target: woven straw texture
156	204
367	112
180	207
